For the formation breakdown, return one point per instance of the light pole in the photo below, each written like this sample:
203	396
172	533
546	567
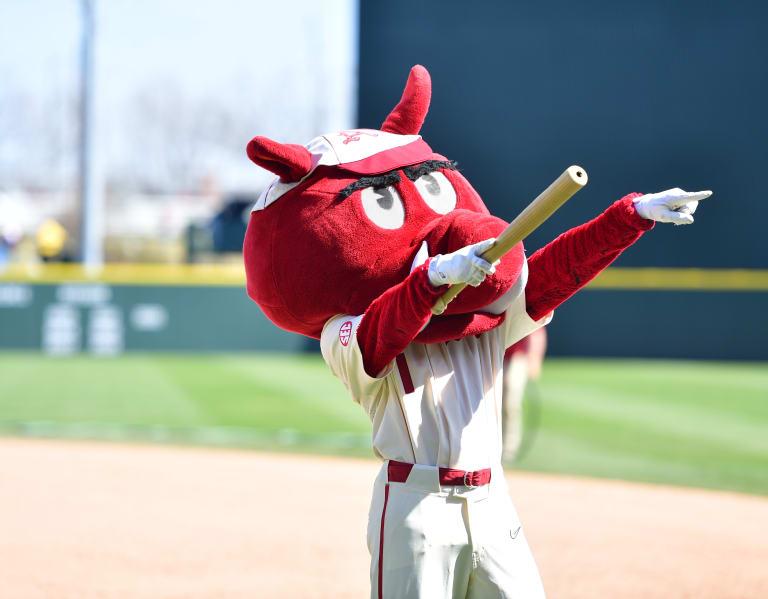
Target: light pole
91	193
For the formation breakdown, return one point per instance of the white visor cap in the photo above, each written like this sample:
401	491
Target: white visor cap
362	151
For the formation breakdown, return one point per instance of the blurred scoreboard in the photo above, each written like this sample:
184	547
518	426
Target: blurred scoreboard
178	308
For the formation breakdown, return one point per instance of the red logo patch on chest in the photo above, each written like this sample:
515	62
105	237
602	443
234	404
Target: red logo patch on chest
345	332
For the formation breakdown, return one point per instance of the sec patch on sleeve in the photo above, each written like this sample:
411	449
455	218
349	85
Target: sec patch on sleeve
345	332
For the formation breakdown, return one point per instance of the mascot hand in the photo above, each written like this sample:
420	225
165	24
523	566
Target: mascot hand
462	266
671	206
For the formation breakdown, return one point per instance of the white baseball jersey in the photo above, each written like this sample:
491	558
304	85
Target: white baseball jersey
437	404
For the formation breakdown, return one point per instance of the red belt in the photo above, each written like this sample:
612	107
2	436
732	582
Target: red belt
398	473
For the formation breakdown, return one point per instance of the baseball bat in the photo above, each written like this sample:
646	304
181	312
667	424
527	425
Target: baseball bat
539	210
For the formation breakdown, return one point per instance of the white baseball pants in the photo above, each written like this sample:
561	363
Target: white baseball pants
429	541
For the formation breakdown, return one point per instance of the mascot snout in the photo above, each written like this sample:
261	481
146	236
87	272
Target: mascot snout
460	228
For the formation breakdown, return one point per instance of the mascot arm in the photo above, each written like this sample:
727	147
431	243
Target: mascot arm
568	263
393	319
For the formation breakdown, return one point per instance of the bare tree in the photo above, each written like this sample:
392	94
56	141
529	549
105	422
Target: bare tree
172	138
37	137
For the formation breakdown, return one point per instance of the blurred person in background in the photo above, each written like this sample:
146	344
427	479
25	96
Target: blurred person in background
51	238
10	235
230	222
522	362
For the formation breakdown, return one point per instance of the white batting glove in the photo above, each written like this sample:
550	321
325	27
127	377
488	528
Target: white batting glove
462	266
671	206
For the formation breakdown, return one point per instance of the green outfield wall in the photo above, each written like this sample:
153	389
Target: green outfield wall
625	312
62	310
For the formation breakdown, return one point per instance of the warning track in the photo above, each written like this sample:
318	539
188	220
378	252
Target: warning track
80	519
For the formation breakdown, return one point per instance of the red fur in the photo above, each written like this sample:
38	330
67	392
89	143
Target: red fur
565	265
409	114
290	162
311	255
455	326
393	319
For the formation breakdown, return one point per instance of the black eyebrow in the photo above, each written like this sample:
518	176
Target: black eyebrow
428	166
374	181
412	172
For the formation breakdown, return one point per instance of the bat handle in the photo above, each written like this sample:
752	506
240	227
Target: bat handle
442	302
568	183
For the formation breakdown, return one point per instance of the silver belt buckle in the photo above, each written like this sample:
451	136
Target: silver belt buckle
466	482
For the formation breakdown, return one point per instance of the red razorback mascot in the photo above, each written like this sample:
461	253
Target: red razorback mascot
353	243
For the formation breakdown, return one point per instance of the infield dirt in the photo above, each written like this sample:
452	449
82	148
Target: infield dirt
94	520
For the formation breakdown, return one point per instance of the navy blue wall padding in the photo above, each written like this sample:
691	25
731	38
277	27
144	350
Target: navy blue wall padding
644	95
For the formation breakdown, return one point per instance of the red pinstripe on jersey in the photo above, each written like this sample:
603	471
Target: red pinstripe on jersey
381	538
405	374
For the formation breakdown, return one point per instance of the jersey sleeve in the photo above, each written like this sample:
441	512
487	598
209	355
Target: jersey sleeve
517	322
394	319
338	344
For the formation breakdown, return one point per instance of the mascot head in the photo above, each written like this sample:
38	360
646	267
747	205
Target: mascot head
351	213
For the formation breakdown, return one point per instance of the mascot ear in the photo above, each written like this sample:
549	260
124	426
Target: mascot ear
290	162
408	116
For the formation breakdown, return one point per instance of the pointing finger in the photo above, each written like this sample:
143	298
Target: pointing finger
678	200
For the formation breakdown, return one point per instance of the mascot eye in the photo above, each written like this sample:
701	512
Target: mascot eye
437	192
383	206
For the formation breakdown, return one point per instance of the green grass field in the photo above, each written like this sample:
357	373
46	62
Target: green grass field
686	423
